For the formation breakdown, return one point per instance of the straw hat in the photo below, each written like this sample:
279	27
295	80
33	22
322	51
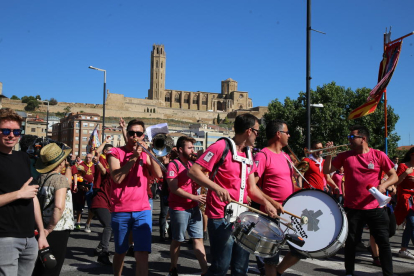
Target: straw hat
51	156
80	168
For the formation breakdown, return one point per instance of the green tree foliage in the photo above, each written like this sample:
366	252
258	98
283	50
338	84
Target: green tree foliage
26	99
31	105
53	101
218	120
14	97
38	97
330	123
67	109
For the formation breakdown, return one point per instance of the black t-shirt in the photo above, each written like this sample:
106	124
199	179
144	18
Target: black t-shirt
16	218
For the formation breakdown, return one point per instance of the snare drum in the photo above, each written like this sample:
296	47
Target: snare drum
327	227
257	234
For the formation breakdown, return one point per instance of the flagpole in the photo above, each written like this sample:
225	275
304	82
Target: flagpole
385	100
398	39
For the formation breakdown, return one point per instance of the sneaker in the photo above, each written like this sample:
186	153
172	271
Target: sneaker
77	226
103	258
205	235
173	272
130	251
406	254
87	228
97	251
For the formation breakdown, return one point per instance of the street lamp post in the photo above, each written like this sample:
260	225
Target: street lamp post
47	116
104	96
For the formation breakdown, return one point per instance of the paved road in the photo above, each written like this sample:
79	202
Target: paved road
80	261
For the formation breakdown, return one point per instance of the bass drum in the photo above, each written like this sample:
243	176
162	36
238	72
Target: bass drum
327	227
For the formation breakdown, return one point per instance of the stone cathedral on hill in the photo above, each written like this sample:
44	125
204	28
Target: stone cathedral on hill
228	100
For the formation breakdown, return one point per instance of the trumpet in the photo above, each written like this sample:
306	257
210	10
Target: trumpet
328	151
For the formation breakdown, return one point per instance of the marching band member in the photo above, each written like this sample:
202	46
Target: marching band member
314	174
129	166
229	184
363	166
274	176
183	202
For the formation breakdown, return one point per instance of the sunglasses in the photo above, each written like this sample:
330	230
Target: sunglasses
256	131
7	131
352	137
287	132
138	133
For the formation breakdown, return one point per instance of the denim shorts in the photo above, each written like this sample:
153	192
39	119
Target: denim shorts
189	220
141	225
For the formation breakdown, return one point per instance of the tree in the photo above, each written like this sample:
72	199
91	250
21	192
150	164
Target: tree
14	97
31	105
218	119
67	109
26	99
53	101
38	97
331	123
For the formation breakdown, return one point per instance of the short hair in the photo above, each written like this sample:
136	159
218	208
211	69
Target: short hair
395	157
315	142
407	156
181	141
243	122
8	114
273	127
362	130
136	122
107	146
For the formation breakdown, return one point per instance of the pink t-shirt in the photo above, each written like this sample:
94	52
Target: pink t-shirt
131	195
362	170
337	178
177	202
228	177
275	174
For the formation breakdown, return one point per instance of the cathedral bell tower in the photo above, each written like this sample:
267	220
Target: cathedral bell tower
157	76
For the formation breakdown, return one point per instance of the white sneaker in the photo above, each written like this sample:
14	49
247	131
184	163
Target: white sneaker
406	254
87	228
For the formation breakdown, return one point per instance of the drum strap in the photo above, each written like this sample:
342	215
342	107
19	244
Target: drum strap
244	162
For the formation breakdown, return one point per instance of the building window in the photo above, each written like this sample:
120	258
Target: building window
186	96
156	64
77	124
91	125
83	117
85	124
84	146
161	67
77	138
156	76
177	98
90	131
33	129
204	101
85	131
77	131
195	99
88	117
84	138
83	153
77	146
168	97
95	118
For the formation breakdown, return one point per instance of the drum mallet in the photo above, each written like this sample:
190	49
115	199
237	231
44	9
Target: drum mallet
303	219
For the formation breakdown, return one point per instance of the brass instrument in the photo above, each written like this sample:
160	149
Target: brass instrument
300	167
203	191
328	151
161	145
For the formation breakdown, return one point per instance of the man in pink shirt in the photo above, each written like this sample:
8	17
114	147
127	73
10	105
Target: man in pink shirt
183	202
274	176
129	167
228	184
363	167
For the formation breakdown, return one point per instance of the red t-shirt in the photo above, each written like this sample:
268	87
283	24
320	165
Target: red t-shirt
275	174
177	202
362	170
337	178
404	193
227	177
98	176
89	172
314	175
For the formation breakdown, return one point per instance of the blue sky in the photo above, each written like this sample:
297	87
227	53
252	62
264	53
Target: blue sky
47	46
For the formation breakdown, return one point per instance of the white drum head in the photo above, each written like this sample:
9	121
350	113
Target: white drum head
325	219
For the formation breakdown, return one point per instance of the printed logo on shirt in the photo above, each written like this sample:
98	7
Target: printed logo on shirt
371	165
171	173
208	156
257	163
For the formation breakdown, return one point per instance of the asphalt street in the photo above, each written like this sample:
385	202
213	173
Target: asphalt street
80	259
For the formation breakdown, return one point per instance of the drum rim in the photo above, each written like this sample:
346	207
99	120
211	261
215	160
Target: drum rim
342	218
266	239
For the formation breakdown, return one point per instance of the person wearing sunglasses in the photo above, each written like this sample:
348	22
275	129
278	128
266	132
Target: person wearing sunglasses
19	205
229	184
129	167
363	167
